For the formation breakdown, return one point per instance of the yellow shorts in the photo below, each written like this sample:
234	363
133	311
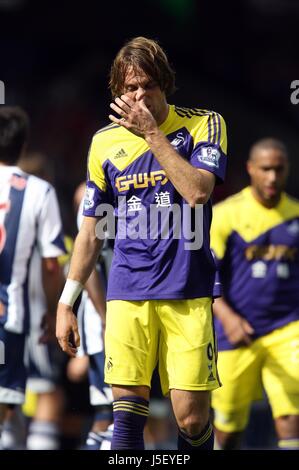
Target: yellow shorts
177	333
272	362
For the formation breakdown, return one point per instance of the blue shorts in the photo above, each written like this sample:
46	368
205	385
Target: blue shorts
100	392
12	368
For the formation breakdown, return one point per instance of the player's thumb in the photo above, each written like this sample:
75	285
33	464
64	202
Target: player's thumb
141	103
247	327
76	337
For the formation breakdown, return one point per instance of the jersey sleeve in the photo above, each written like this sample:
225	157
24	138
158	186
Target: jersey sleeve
210	145
220	232
49	231
96	186
80	214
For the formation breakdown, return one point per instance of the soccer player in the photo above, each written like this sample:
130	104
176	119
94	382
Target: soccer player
29	220
255	237
44	359
154	159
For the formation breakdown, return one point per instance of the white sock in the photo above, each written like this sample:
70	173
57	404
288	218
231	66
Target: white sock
43	435
13	435
107	437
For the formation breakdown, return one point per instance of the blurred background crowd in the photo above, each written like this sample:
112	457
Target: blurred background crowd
238	58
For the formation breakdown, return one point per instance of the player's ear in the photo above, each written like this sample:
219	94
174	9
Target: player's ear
249	166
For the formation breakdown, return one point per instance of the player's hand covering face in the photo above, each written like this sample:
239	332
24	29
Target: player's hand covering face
142	107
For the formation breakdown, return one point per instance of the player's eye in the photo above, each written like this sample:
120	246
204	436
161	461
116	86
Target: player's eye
130	88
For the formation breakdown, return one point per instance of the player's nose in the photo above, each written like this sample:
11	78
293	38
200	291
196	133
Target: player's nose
140	93
272	176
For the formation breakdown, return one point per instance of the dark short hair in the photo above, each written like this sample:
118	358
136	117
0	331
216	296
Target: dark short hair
36	163
14	131
147	55
268	143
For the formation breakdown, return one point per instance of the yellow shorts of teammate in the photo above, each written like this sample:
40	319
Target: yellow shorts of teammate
272	362
177	333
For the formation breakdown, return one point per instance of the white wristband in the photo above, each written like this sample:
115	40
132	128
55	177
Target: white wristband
71	292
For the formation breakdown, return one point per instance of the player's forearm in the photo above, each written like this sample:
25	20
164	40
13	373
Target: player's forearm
86	251
222	310
52	277
96	292
189	182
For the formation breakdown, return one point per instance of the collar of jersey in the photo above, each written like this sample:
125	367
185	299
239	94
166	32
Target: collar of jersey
166	124
258	206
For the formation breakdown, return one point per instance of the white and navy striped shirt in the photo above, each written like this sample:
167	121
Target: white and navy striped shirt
29	219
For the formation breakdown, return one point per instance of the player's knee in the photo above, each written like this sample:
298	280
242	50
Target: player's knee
287	426
124	391
227	440
192	424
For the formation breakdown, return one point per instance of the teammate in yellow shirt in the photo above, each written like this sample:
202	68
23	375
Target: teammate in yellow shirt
255	237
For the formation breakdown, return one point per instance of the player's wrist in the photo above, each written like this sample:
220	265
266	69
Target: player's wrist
153	135
71	292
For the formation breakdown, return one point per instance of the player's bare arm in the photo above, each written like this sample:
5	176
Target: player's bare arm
86	251
195	186
238	331
96	292
53	281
